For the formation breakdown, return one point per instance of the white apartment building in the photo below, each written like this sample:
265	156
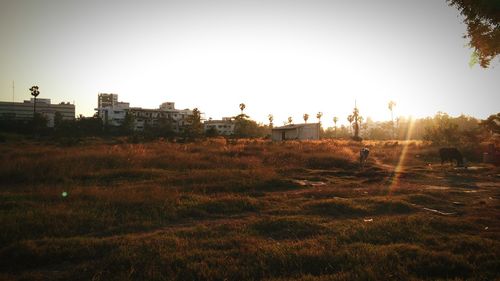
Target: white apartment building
224	127
113	113
110	110
178	118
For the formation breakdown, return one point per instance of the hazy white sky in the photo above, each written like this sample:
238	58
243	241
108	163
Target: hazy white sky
281	57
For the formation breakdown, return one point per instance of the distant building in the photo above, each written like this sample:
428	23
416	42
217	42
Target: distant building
114	112
308	131
224	127
23	111
178	118
106	100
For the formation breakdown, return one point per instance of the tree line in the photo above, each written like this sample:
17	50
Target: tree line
441	129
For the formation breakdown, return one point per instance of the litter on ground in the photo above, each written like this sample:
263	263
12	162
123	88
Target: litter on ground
310	183
439	212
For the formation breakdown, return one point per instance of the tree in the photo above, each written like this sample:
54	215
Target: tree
357	120
34	92
442	131
37	120
360	121
306	117
482	18
242	107
290	121
350	119
165	126
211	132
335	119
242	115
319	115
88	126
127	127
492	123
58	120
391	107
246	128
271	118
194	128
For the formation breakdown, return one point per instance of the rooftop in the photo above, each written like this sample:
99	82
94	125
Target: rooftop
294	126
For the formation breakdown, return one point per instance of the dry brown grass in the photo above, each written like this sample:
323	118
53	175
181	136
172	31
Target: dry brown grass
233	210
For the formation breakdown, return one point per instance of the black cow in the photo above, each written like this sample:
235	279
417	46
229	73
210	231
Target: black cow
363	155
450	154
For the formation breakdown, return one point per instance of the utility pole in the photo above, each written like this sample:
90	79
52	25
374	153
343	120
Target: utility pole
13	91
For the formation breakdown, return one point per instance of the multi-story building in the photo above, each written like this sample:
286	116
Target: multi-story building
177	118
113	113
105	100
224	127
110	110
23	111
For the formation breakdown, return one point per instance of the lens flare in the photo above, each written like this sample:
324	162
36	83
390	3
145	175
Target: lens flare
399	168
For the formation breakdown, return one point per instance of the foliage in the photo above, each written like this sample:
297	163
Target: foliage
211	132
341	132
443	130
127	127
357	119
319	115
483	27
270	117
194	129
492	123
246	128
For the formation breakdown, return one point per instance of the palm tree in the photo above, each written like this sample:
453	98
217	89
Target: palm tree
271	118
396	127
357	120
290	121
34	92
242	107
391	106
319	115
350	118
306	117
335	119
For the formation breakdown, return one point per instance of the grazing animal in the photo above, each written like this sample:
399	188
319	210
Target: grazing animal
363	155
451	154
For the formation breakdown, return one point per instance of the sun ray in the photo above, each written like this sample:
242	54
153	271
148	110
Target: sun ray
400	166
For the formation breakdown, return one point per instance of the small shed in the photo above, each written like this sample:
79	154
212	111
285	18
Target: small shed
307	131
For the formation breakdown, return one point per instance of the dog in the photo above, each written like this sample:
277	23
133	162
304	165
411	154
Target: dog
363	155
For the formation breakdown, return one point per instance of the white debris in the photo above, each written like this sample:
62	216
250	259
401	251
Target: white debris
310	183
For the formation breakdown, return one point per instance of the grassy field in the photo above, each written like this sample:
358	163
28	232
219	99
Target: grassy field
244	210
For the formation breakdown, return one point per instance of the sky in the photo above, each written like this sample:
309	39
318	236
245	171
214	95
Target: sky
279	57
